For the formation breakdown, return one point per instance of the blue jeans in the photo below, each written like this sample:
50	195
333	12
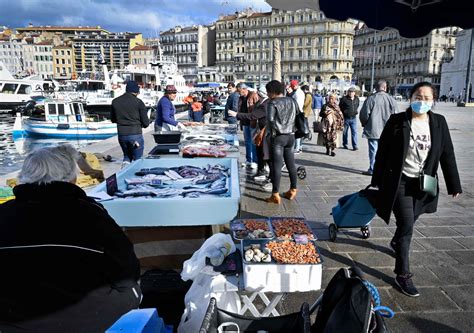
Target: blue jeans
298	145
373	145
250	148
352	125
132	146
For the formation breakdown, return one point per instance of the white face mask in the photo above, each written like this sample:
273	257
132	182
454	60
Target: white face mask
421	107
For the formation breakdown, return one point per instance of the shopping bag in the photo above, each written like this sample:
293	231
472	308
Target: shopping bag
355	210
318	127
193	266
301	124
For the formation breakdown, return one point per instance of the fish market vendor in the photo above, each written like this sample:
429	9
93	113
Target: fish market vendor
165	112
67	266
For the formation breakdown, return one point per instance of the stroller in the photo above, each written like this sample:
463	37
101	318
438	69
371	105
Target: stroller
349	304
354	211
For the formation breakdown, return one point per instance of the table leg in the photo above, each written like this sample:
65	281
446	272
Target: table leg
248	304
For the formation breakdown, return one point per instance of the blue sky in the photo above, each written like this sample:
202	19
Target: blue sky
146	16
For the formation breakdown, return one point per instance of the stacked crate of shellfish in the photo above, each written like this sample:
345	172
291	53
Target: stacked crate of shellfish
279	254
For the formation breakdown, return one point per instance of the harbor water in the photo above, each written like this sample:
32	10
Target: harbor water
13	152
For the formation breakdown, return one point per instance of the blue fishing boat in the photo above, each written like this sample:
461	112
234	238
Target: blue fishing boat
52	118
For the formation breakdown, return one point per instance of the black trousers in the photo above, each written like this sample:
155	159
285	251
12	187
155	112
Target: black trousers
408	197
282	149
260	161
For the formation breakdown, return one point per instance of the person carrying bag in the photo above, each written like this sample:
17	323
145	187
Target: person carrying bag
412	146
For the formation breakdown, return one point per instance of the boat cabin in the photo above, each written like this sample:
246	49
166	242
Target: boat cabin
60	112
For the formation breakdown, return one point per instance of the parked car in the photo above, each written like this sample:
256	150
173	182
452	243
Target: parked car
398	97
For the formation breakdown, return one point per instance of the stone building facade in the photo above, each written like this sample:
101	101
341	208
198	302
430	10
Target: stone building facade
402	62
313	48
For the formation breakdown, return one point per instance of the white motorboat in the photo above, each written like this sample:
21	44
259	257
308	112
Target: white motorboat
54	118
17	92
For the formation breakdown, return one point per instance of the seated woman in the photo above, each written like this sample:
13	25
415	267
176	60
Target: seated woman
66	265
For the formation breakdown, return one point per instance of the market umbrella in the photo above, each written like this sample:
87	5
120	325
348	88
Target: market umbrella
412	18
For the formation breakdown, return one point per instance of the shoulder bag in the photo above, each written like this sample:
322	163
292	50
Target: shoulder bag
301	124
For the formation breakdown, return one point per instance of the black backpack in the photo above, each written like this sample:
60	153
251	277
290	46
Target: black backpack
348	306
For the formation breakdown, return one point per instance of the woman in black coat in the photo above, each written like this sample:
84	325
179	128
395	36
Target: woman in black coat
66	265
413	141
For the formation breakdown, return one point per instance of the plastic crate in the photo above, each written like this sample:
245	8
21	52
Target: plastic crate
276	277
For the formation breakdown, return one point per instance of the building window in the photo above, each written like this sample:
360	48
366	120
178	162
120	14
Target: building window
334	53
334	65
335	39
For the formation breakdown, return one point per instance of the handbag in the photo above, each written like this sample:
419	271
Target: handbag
301	124
258	137
428	184
318	127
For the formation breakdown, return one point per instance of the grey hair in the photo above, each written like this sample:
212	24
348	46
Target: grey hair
50	164
382	84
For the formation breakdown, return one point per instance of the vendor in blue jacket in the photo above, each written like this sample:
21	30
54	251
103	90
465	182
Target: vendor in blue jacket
165	111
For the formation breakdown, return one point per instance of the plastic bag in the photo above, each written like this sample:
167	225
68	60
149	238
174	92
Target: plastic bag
193	266
197	300
198	296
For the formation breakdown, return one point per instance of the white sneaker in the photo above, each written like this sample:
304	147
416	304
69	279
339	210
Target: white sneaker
248	165
254	165
267	187
260	178
125	164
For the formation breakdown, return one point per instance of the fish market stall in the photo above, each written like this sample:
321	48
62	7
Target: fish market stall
173	192
210	140
279	255
198	140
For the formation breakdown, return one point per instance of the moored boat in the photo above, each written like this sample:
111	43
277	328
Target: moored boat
60	119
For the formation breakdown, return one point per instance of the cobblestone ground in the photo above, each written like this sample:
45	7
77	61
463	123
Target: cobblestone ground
442	256
442	251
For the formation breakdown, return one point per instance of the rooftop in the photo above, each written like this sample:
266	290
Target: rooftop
142	48
61	28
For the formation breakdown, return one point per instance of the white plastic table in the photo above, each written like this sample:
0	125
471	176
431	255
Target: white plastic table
235	284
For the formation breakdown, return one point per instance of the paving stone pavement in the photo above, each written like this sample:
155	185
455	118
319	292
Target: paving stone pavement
442	256
442	251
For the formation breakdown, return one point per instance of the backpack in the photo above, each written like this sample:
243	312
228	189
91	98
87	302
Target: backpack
350	305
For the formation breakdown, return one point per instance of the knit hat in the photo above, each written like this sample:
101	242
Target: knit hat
262	90
132	87
170	89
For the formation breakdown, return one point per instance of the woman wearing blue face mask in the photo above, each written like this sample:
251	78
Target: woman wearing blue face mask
412	146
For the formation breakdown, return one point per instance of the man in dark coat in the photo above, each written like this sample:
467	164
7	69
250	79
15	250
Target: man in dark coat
129	112
67	266
413	144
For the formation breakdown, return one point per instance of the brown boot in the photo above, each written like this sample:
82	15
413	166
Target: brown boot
291	194
275	198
